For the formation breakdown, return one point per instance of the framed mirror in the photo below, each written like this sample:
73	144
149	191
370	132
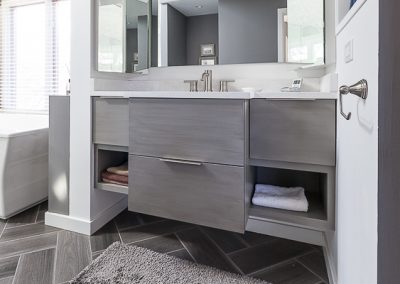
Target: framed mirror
134	35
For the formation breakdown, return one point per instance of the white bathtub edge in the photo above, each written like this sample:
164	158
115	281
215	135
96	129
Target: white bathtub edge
82	226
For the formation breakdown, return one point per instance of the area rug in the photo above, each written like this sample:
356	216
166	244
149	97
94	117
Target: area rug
125	264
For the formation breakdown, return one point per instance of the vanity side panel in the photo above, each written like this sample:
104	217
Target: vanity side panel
59	130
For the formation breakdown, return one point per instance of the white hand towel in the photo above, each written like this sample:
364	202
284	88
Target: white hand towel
287	198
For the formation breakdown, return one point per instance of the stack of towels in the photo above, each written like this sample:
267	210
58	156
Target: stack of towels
116	175
287	198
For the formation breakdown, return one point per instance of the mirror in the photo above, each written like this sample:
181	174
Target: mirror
134	35
123	35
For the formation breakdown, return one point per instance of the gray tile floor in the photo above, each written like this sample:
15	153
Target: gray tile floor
31	252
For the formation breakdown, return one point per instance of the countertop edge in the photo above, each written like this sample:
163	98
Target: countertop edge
217	95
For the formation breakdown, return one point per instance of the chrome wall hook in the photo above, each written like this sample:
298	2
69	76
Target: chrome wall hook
360	89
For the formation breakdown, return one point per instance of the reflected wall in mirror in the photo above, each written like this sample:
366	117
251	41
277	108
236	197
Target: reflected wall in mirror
124	35
250	31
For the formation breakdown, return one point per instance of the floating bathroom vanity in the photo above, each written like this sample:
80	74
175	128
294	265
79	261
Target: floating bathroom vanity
195	157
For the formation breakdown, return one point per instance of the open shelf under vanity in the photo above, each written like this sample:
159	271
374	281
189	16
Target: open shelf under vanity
109	156
318	187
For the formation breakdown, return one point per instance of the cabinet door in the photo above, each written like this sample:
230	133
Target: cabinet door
293	131
188	129
204	194
111	121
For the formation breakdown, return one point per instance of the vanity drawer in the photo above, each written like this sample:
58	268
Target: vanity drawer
189	129
205	194
111	121
293	131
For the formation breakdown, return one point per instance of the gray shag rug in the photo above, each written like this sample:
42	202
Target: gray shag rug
122	264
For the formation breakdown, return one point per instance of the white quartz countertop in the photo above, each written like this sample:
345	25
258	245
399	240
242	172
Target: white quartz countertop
217	95
295	96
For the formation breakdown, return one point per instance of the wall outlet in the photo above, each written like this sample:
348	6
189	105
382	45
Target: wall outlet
348	52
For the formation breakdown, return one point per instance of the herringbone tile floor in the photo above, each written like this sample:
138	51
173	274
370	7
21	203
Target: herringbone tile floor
31	252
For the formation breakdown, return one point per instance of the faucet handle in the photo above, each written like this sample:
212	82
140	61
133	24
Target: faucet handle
223	85
192	85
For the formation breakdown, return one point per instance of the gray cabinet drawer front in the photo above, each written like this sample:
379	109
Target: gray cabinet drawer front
209	195
111	121
202	130
293	131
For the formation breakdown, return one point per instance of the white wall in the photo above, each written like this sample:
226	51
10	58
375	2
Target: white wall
356	235
85	203
81	86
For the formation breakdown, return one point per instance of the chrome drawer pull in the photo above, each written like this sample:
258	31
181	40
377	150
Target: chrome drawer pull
182	162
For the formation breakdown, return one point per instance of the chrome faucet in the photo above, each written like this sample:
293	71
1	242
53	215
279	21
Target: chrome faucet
207	79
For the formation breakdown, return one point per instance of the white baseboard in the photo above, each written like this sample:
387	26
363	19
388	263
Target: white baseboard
82	226
330	263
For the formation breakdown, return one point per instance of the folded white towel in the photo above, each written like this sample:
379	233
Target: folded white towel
287	198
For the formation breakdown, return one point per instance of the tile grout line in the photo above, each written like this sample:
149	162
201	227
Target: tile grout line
16	269
141	225
30	236
24	225
161	235
184	247
37	213
119	234
26	253
27	237
255	246
222	252
286	261
55	261
175	250
238	238
309	269
2	231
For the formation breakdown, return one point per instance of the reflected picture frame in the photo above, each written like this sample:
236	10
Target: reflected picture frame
208	60
207	49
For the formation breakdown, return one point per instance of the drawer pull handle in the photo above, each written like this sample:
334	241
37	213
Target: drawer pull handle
182	162
291	99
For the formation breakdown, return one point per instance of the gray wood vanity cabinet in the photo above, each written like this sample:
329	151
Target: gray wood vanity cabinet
187	160
197	160
293	131
111	121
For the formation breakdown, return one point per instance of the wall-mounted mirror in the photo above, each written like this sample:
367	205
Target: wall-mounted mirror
124	35
137	34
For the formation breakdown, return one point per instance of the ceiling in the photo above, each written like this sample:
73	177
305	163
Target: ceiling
192	8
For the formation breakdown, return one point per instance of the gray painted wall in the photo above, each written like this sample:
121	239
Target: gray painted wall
200	30
255	23
143	39
389	141
176	37
154	41
131	47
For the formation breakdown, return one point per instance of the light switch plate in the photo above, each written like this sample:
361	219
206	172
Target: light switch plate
348	52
